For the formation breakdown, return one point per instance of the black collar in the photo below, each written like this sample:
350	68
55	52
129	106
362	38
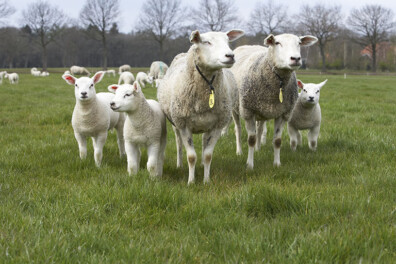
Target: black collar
281	83
210	83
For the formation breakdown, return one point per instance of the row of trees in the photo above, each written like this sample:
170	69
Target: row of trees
164	25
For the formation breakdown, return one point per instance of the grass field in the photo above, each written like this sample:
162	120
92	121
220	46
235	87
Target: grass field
337	205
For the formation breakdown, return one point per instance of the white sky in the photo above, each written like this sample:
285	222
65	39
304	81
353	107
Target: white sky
130	9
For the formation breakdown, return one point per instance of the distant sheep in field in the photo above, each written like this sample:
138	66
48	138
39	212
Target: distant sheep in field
93	117
12	77
111	72
306	115
124	68
145	126
44	74
158	70
34	69
126	77
2	76
77	70
66	72
36	73
142	78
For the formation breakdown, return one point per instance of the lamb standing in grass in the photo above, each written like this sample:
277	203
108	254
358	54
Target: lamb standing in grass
36	73
145	126
158	70
126	77
12	77
79	70
111	72
93	117
124	68
306	115
142	78
194	96
267	85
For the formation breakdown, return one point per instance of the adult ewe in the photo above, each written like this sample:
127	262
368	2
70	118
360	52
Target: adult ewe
124	68
267	85
77	70
93	117
194	96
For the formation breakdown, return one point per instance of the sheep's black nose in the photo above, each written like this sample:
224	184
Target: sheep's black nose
311	98
112	104
295	58
230	55
84	93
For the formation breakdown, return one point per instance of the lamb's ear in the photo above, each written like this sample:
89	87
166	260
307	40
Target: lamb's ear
235	34
136	87
320	85
308	40
300	84
70	79
269	41
98	77
195	37
112	88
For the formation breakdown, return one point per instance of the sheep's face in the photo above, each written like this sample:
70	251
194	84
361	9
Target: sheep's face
213	48
310	92
125	99
84	87
285	49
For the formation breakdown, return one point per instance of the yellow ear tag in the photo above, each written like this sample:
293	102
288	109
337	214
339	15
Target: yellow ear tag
211	99
280	95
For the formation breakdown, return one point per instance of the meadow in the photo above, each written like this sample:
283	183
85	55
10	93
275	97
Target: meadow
335	205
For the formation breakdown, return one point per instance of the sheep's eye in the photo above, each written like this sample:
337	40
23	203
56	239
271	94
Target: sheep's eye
91	86
207	42
304	90
277	43
317	91
76	85
127	95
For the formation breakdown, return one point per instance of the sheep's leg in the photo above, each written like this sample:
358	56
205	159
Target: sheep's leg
250	125
153	152
313	135
82	145
179	147
120	137
224	131
98	144
293	134
259	130
238	132
277	141
161	156
133	157
264	135
299	138
188	143
210	139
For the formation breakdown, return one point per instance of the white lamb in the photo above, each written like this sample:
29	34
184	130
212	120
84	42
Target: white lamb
34	69
74	70
111	72
194	96
306	115
158	69
124	68
44	74
12	77
145	126
93	117
2	75
36	73
142	78
126	77
66	72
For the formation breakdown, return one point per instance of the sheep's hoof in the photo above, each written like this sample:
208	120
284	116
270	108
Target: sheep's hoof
190	183
277	164
239	152
249	166
206	181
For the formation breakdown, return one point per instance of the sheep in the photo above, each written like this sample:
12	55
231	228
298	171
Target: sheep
111	72
267	85
74	70
306	114
93	117
66	72
2	75
126	77
124	68
34	69
145	125
36	73
44	74
12	77
193	95
142	78
158	70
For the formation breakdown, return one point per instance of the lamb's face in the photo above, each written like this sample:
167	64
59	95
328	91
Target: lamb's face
213	48
285	49
84	87
125	99
310	92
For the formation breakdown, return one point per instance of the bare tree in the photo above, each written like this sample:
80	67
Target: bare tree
267	18
161	19
5	9
214	15
373	24
100	15
322	22
46	22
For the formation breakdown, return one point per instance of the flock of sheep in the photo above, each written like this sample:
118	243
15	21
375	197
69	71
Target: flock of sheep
199	94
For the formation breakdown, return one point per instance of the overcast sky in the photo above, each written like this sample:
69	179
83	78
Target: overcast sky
130	9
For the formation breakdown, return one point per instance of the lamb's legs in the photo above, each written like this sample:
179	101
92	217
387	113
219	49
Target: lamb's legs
210	140
120	137
294	134
313	135
264	135
188	143
98	144
161	156
277	141
238	132
82	145
133	157
153	152
250	125
259	130
179	147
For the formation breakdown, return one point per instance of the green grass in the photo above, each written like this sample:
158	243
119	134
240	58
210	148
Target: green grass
337	205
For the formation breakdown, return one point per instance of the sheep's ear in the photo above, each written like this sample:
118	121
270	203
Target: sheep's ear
98	77
300	84
112	88
308	40
195	37
70	79
136	87
235	34
320	85
269	41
